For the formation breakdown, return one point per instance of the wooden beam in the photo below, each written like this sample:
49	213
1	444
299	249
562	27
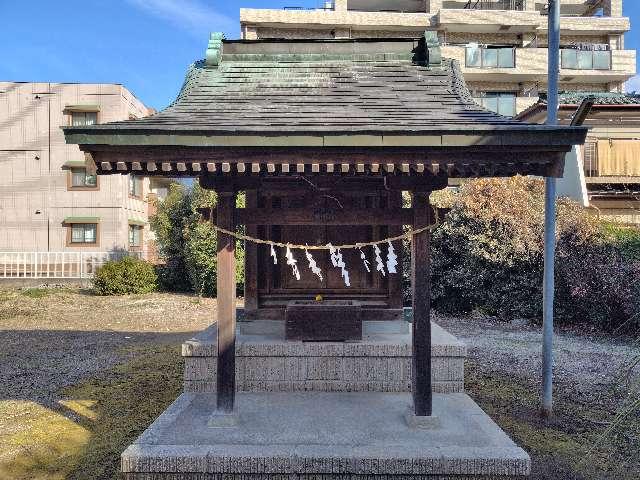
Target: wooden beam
327	182
421	301
301	216
226	304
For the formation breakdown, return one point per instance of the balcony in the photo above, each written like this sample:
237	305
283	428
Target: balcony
488	21
531	65
573	59
485	57
523	21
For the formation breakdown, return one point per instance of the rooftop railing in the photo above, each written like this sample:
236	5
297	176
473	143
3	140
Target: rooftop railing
323	5
493	5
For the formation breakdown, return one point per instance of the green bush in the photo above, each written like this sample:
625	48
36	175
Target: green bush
187	244
125	276
488	256
627	239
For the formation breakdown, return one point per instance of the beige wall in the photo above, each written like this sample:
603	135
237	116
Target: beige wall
32	173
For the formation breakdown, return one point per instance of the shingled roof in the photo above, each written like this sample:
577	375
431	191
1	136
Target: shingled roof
599	98
317	94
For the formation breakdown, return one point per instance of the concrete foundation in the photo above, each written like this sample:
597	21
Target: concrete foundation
381	362
319	435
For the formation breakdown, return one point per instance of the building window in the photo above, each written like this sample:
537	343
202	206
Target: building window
80	119
84	233
503	103
490	57
135	186
81	180
135	235
573	59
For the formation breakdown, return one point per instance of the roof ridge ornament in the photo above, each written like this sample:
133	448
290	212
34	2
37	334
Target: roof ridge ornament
214	49
432	48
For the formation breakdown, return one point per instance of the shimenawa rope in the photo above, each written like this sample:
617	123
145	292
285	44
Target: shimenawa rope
407	235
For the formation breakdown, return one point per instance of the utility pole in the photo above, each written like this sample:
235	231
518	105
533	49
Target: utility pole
550	216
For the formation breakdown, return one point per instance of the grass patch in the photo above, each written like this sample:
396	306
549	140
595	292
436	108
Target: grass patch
37	292
85	435
568	446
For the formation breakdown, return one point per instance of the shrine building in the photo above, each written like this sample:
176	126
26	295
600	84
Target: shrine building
322	377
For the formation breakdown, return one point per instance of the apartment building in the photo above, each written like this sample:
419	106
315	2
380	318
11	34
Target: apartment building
49	201
500	44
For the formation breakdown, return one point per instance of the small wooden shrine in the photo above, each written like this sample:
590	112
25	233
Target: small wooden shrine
324	136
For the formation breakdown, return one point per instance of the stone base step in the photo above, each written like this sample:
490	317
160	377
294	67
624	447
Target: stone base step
324	436
381	362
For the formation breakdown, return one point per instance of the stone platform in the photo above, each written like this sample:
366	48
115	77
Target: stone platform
323	435
381	362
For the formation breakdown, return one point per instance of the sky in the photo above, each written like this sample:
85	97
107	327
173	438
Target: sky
146	45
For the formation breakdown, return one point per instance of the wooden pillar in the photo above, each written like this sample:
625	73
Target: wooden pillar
226	304
395	281
251	261
421	299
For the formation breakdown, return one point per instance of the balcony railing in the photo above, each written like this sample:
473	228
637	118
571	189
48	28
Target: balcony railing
574	59
323	5
503	103
493	5
483	57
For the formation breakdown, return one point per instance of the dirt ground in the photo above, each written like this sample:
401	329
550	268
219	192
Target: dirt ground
81	376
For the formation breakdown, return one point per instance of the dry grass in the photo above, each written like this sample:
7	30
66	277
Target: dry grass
80	310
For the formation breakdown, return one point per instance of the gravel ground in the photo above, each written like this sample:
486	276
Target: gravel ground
587	365
50	339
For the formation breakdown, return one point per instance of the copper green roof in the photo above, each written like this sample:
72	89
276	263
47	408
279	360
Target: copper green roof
82	220
312	87
600	98
392	101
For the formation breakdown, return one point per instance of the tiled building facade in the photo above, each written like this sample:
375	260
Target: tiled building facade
49	202
501	44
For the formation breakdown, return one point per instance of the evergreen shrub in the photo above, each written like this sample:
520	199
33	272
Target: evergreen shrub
488	257
127	276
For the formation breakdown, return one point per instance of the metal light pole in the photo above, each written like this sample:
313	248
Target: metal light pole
550	216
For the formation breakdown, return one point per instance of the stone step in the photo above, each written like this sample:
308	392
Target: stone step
320	435
381	362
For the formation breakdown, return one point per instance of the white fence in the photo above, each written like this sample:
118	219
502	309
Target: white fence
52	265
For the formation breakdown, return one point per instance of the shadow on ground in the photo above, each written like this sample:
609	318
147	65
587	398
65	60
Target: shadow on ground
71	402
